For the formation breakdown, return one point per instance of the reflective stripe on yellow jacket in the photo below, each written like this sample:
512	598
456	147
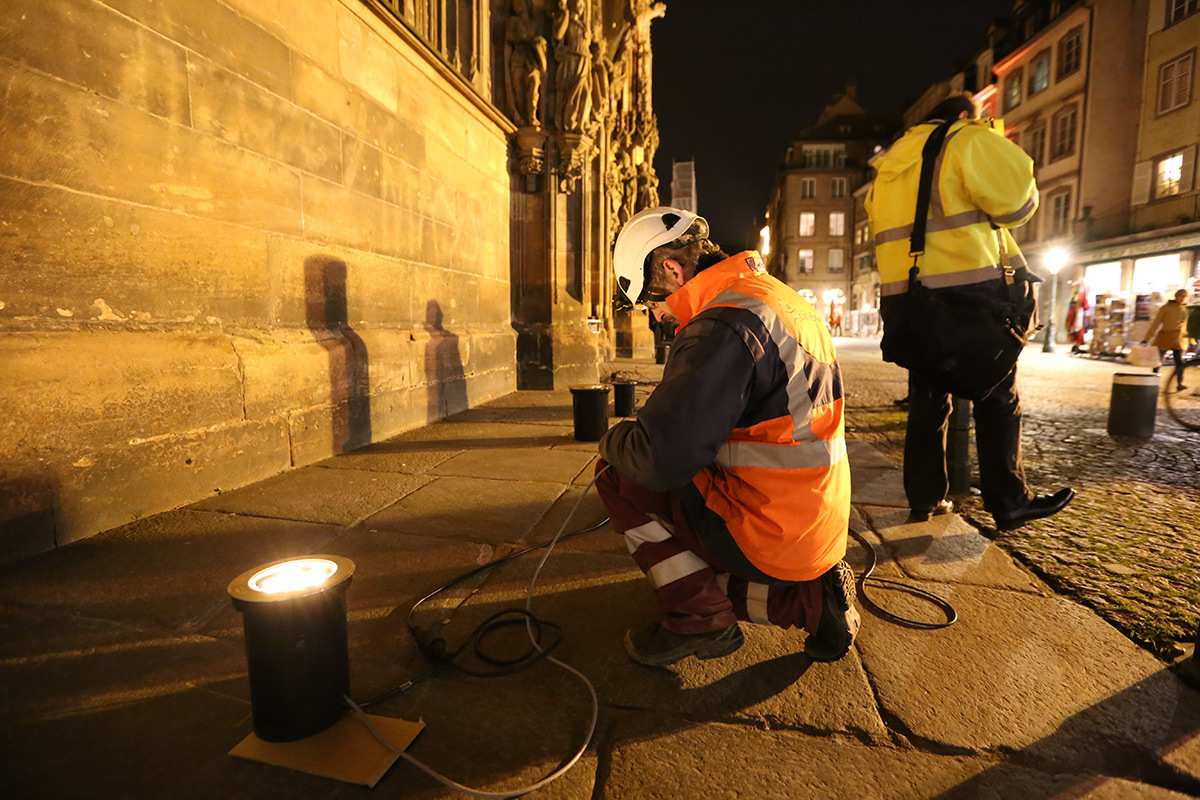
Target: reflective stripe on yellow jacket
782	485
981	181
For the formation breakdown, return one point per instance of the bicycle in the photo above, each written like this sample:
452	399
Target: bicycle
1184	405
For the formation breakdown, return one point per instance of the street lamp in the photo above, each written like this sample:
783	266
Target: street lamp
1054	260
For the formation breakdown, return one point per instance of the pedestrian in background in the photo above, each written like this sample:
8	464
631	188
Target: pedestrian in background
1170	322
982	184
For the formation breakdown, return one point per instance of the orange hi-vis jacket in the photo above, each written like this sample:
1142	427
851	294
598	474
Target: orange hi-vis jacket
750	411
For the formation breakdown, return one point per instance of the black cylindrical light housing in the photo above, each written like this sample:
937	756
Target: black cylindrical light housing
297	649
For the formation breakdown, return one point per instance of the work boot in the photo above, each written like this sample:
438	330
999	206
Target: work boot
839	619
655	646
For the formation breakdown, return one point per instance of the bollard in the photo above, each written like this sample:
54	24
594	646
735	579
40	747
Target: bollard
1133	405
958	441
661	350
590	405
623	398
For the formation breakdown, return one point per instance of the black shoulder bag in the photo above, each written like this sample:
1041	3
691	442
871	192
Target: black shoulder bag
963	340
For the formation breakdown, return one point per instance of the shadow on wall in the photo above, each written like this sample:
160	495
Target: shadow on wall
327	316
445	382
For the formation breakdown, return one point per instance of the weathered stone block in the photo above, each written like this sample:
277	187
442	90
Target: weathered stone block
345	105
367	61
56	134
68	394
300	369
347	218
318	433
131	481
309	27
142	264
89	45
316	285
362	167
242	113
217	32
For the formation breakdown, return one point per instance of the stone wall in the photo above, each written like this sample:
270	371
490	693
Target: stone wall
235	238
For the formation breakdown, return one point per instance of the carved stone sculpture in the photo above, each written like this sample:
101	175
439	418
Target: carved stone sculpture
525	58
573	50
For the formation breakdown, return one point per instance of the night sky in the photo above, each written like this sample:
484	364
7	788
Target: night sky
735	81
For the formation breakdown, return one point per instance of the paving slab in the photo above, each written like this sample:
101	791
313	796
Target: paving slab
390	457
494	734
877	486
946	548
56	664
596	598
672	757
518	464
475	435
1020	673
170	570
473	509
589	513
864	455
315	494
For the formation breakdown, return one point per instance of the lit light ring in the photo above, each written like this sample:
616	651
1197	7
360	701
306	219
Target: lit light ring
292	576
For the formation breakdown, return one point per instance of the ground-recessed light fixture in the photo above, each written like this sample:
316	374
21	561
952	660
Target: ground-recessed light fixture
294	623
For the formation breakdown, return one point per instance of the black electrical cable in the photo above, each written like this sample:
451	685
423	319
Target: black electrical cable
947	609
435	648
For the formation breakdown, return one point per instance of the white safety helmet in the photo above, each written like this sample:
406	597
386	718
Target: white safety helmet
645	231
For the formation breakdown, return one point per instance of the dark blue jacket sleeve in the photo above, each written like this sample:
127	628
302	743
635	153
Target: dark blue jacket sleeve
706	385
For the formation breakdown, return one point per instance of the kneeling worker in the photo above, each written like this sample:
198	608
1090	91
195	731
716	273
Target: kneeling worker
731	487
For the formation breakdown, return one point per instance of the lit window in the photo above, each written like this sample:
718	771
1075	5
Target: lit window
1175	84
1060	213
835	259
1039	80
1012	90
837	223
808	188
804	260
1070	52
808	223
1168	175
1178	9
838	188
1035	143
1062	135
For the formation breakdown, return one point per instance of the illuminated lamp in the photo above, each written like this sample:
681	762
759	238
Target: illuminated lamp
294	624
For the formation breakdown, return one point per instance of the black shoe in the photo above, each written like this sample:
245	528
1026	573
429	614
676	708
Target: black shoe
1038	507
921	514
655	646
839	619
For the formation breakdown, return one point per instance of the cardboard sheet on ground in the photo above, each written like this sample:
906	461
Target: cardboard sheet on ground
346	752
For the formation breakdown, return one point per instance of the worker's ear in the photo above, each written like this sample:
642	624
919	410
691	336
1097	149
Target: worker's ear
675	270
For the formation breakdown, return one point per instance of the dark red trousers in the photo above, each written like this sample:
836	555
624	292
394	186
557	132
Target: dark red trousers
696	591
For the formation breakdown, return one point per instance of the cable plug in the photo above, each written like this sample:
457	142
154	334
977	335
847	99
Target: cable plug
429	643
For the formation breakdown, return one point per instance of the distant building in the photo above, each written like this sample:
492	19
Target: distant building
1101	94
683	185
811	219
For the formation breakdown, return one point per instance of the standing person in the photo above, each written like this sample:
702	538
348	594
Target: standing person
982	185
731	487
1172	319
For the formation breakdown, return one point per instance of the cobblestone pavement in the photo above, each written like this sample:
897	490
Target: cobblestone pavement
1127	545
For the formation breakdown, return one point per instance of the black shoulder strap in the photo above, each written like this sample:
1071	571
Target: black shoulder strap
929	153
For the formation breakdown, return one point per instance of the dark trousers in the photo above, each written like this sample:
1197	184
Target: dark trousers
1177	374
997	442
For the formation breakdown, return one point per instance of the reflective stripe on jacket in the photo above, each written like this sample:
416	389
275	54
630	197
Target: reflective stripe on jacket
981	181
750	410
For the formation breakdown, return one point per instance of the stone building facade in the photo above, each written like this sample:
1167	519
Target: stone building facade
811	214
243	236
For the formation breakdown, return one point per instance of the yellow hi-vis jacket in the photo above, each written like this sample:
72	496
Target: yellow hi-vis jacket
981	182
